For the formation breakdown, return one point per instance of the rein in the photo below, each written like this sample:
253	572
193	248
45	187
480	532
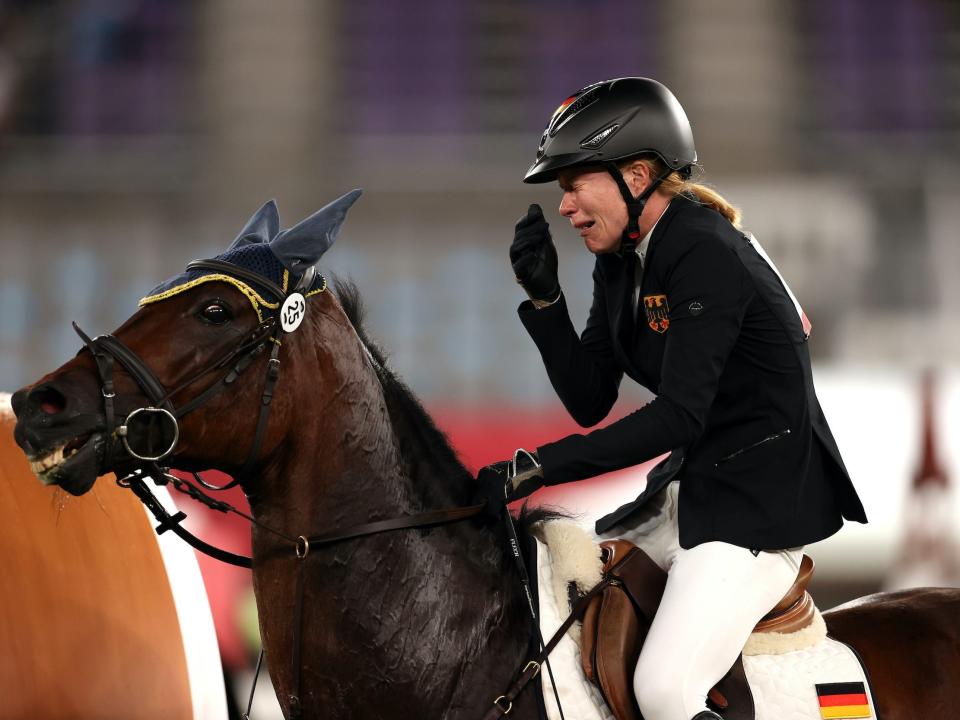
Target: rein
301	546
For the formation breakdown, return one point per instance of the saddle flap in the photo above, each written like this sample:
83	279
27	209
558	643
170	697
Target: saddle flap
616	622
588	639
619	639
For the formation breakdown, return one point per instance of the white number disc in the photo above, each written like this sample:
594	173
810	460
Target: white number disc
292	312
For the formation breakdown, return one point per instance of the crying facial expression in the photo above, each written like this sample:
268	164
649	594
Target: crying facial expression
592	203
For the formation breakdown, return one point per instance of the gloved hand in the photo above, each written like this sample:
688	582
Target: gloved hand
508	480
534	257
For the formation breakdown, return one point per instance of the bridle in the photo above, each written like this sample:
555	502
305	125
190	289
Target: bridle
108	350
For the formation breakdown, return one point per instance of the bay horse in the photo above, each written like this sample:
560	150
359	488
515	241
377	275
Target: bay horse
422	623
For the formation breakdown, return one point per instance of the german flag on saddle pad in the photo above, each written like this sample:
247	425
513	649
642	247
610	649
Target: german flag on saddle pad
843	700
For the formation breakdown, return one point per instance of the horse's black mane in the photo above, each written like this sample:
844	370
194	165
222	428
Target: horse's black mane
417	430
352	303
402	403
529	516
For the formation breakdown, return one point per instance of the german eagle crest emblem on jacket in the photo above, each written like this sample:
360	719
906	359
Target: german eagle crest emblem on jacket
658	312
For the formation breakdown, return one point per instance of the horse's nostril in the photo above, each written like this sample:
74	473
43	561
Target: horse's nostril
49	400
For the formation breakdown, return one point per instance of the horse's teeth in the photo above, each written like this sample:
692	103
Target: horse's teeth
47	462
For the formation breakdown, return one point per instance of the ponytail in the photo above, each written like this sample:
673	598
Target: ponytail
711	198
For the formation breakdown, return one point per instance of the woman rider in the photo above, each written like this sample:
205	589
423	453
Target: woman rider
692	309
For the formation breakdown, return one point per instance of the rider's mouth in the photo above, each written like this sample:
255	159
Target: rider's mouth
585	228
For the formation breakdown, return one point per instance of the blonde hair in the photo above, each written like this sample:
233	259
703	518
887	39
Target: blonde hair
675	184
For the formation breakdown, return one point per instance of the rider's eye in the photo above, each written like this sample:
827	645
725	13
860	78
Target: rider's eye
215	313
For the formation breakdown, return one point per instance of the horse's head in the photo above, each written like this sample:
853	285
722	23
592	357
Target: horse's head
190	379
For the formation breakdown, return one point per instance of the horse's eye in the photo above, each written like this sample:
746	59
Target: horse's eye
215	313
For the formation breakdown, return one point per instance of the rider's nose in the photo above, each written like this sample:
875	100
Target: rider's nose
567	207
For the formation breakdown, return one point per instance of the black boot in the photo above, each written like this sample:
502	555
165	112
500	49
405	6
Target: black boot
706	715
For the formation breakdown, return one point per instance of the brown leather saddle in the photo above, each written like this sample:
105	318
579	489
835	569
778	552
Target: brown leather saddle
616	623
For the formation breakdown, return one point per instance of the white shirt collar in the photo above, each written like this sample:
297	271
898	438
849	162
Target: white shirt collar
642	246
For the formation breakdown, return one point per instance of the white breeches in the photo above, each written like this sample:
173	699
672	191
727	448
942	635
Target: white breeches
715	595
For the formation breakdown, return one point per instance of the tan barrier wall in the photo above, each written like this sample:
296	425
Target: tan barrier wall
88	626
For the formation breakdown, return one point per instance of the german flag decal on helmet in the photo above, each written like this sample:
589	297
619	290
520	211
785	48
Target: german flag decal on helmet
658	312
571	106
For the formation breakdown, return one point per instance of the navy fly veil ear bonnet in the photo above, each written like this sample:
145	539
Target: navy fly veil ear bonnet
280	257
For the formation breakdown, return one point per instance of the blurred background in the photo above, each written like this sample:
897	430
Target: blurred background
137	135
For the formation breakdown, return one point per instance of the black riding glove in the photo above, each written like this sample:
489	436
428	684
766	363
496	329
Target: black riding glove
508	480
534	257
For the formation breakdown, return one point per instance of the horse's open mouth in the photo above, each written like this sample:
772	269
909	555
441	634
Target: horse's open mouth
73	466
42	466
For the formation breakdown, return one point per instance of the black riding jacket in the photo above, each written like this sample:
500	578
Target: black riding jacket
719	341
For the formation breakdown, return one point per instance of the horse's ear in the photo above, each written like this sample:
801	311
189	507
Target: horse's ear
260	228
302	245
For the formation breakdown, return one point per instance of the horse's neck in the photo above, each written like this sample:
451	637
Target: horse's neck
448	589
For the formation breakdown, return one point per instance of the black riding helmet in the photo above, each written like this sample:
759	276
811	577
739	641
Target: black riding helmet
611	121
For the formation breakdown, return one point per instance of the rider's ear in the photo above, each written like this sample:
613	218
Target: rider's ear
637	176
261	227
301	246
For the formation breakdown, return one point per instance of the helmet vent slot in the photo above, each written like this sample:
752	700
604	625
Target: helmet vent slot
585	99
598	139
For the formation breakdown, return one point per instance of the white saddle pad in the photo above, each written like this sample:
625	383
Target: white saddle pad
823	681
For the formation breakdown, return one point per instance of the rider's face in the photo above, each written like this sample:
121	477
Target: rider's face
593	204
